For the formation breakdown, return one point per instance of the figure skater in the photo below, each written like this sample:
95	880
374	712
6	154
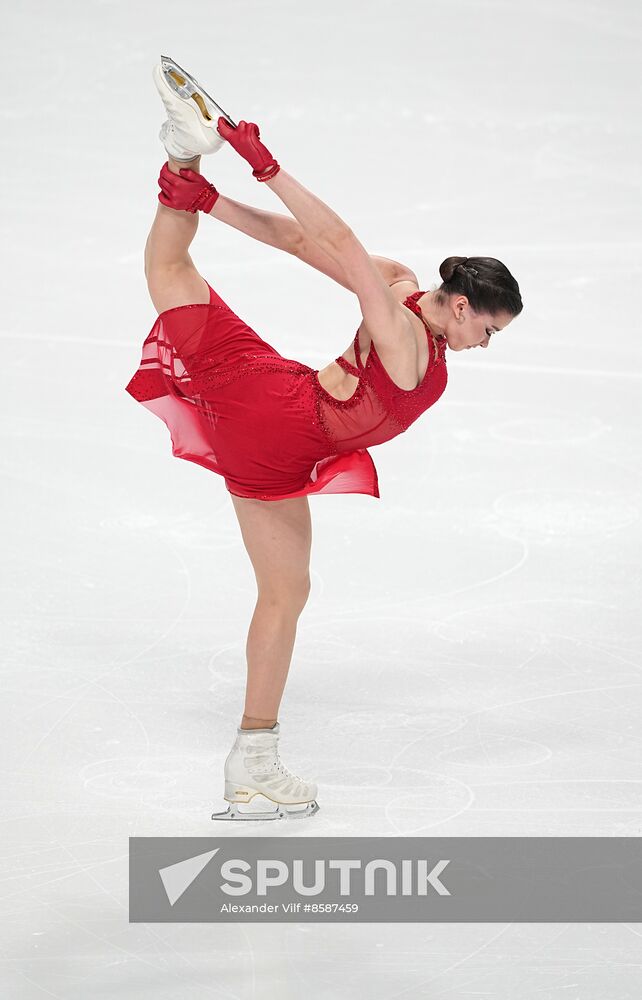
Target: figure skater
274	428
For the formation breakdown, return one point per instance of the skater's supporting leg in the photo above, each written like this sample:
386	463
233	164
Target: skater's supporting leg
277	536
172	278
269	647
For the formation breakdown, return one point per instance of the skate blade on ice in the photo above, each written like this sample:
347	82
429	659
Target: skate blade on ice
257	811
188	88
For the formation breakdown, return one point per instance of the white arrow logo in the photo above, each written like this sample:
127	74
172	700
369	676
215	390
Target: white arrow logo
178	877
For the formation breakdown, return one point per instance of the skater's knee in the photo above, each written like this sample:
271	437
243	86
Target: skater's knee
287	595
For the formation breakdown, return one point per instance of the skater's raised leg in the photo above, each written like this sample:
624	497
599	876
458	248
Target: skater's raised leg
172	278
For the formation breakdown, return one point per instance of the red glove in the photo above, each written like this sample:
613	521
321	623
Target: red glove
245	140
187	191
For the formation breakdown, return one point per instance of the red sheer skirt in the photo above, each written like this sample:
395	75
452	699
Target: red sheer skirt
235	406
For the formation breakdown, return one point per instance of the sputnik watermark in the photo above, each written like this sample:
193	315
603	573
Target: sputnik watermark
480	879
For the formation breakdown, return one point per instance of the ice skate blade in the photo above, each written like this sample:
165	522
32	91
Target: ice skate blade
281	813
190	89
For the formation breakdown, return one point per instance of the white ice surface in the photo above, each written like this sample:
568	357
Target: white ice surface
469	660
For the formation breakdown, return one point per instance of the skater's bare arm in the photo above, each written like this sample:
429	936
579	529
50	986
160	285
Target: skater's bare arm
317	219
387	322
285	233
311	253
276	230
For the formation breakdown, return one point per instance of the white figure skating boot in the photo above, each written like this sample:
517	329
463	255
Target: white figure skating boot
192	115
253	769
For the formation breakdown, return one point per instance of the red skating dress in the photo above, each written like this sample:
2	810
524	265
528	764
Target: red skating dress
237	407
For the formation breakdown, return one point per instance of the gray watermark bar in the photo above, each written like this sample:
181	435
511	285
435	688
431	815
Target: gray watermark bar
387	879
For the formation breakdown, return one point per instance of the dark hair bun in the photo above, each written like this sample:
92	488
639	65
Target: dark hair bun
449	266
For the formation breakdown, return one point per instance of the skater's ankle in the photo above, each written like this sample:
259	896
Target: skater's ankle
249	722
176	165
